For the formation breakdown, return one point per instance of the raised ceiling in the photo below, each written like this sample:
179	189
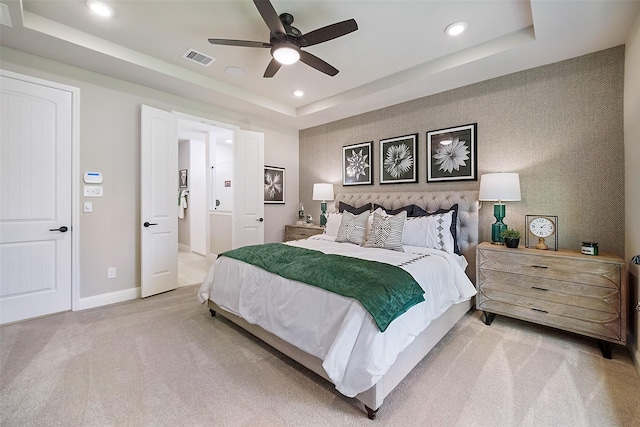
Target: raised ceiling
400	51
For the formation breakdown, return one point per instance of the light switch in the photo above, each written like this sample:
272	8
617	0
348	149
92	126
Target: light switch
88	206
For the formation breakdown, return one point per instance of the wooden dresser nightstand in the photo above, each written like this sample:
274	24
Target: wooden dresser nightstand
563	289
297	232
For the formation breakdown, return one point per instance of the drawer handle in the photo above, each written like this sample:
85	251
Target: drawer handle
541	311
539	266
539	289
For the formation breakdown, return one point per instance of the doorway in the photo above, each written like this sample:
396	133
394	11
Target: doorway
161	185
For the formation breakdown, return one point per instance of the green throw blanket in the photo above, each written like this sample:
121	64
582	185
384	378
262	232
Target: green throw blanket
385	291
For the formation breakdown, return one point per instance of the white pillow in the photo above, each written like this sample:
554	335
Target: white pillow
386	231
333	224
430	232
352	228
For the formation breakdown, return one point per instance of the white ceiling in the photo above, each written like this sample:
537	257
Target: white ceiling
399	52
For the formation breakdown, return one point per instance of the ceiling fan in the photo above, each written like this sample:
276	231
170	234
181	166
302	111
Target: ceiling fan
286	41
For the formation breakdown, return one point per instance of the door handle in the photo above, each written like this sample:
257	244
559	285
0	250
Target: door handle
62	229
147	223
260	219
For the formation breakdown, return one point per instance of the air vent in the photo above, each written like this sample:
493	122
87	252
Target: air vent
198	57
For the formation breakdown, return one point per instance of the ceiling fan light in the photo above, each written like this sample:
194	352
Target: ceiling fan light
286	55
100	8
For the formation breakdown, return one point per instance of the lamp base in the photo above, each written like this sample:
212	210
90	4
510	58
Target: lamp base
499	226
323	215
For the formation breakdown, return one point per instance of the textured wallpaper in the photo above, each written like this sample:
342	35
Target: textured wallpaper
560	126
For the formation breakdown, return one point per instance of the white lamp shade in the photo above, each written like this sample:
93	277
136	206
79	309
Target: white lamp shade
323	191
504	187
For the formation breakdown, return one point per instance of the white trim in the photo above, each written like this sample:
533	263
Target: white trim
184	248
75	174
105	299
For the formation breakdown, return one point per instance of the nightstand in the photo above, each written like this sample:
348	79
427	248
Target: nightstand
297	232
563	289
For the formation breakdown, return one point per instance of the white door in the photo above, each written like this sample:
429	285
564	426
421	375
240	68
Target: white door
159	202
35	199
249	194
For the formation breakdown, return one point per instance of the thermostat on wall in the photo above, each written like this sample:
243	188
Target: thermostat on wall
93	177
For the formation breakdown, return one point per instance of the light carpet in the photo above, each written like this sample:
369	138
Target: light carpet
164	361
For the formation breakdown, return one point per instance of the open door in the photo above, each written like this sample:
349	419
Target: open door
249	194
159	202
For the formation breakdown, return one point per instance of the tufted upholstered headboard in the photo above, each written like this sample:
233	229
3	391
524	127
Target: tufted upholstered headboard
467	227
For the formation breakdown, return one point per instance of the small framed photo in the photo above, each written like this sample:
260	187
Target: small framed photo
452	154
274	184
398	159
356	164
182	178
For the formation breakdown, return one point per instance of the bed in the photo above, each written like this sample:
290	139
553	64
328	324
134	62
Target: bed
342	339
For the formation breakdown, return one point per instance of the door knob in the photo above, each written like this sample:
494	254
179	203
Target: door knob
147	223
62	229
260	219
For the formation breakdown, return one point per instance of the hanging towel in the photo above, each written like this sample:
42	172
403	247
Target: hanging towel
182	202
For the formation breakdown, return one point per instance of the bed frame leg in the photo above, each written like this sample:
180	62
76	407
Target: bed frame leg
213	312
371	413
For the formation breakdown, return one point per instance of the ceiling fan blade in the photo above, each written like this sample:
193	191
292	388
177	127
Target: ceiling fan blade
317	63
272	68
270	16
243	43
329	32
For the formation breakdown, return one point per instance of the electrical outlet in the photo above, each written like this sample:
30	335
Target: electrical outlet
111	273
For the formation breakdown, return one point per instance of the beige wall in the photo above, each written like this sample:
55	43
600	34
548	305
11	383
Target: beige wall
632	176
560	126
110	143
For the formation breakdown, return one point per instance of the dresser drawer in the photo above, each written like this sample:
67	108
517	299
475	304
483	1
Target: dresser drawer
586	271
569	293
596	324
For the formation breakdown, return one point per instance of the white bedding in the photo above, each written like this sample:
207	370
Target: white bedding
336	329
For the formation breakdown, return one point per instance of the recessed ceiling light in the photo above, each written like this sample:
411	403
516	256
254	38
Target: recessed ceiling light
298	93
234	71
100	8
456	28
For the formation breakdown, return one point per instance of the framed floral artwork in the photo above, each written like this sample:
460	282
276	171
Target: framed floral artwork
273	184
452	154
398	159
356	164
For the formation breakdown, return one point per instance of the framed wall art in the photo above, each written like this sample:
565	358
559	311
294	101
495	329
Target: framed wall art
356	164
398	159
452	154
274	184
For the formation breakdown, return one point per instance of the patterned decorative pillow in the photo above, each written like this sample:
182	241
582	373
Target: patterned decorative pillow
353	228
342	207
417	211
386	231
431	231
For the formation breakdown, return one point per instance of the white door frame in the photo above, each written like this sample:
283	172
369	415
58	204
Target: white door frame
75	174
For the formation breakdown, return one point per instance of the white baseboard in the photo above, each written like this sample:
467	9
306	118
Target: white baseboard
184	248
110	298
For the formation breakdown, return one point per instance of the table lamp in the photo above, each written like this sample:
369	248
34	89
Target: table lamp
500	187
323	191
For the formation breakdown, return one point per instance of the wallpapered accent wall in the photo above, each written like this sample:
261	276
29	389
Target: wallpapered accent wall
560	126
